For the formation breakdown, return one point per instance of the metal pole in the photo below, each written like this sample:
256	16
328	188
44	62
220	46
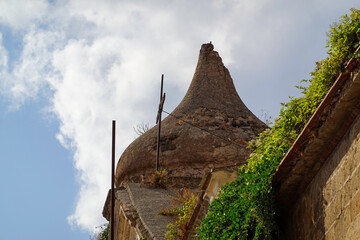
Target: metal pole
112	223
159	125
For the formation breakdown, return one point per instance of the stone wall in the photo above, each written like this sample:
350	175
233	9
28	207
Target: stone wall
330	206
137	212
123	227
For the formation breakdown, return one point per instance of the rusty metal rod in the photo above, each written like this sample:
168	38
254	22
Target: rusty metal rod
159	125
112	222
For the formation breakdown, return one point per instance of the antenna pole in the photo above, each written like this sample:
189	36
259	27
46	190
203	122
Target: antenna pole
112	220
158	120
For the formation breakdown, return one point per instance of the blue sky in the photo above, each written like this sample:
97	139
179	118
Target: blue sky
68	68
38	184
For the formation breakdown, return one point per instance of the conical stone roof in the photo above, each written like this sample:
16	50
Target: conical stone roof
187	152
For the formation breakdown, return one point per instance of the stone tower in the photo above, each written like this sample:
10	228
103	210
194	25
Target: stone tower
207	130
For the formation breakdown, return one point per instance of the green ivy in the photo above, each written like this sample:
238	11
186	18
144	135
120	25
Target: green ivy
245	208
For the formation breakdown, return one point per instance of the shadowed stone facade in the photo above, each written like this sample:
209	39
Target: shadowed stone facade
317	184
188	147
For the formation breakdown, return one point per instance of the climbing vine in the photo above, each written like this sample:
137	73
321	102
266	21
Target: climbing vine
244	208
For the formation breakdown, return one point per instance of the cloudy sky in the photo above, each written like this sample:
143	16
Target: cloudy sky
68	68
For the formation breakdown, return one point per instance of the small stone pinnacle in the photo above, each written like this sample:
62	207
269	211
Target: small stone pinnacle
208	47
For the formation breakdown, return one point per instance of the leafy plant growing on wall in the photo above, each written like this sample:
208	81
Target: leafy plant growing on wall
183	207
244	208
159	179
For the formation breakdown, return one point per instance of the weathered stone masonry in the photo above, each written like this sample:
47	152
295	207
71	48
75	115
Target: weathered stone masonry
207	132
330	206
317	183
187	152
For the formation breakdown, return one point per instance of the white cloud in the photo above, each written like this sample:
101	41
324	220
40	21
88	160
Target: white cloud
95	86
32	70
19	14
3	58
116	76
103	60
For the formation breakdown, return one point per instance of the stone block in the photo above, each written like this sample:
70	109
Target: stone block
352	186
356	178
347	165
330	234
329	191
330	215
213	74
346	218
356	156
355	205
337	203
346	194
339	180
353	232
337	228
